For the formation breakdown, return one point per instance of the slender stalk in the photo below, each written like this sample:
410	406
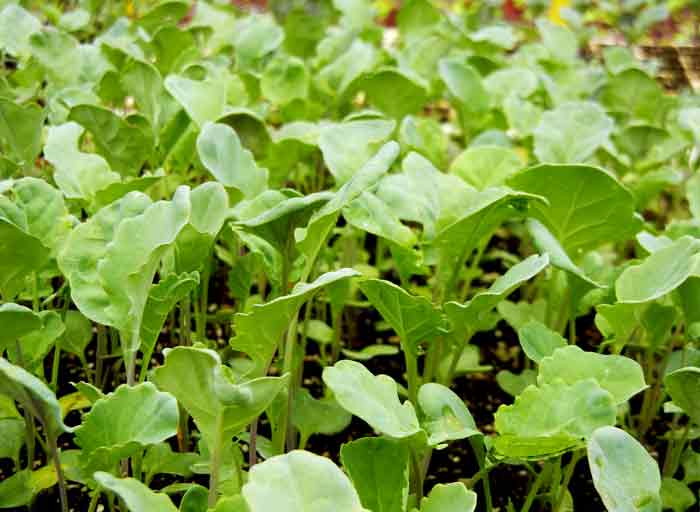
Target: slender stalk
53	448
412	377
568	474
186	320
35	292
94	500
477	445
203	301
215	465
55	366
101	352
416	475
530	499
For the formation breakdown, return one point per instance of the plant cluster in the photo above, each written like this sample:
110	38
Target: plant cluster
213	223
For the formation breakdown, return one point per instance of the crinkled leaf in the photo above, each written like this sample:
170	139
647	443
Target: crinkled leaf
372	398
454	497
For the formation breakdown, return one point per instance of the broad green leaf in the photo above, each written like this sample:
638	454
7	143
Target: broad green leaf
256	36
550	419
621	376
468	318
161	459
17	321
78	174
454	497
676	495
378	468
336	78
124	422
571	133
16	27
465	84
684	385
285	79
110	260
258	333
20	253
36	345
162	298
12	429
637	95
143	82
347	146
221	152
195	500
194	244
137	496
203	100
370	351
515	383
624	474
660	273
318	416
425	136
298	481
517	81
33	395
539	341
413	317
486	166
371	214
500	35
587	206
372	398
559	41
445	417
209	392
20	131
394	92
124	143
311	239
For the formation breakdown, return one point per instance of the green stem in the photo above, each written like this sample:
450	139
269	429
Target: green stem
530	499
53	448
35	292
417	475
186	320
203	301
568	474
477	444
215	464
101	352
55	367
94	500
412	377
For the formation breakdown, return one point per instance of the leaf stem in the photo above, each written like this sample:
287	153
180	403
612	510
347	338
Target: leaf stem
215	464
53	448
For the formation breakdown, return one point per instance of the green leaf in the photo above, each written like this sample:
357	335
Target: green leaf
17	321
347	146
371	214
370	351
515	383
318	416
394	92
143	82
413	317
16	27
572	132
454	497
110	260
559	41
297	481
195	500
468	318
285	79
676	495
125	143
550	419
258	333
624	474
20	131
486	166
660	273
229	162
445	417
33	395
20	255
310	239
425	136
465	84
124	422
162	298
587	205
336	78
203	100
637	95
539	341
208	391
378	468
161	459
372	398
256	36
621	376
78	175
37	344
137	496
684	385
